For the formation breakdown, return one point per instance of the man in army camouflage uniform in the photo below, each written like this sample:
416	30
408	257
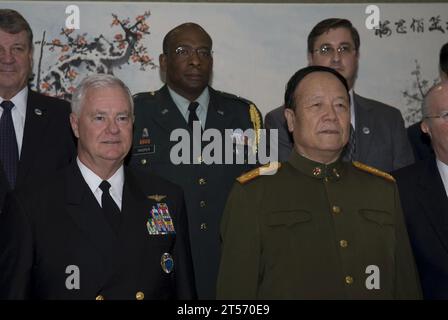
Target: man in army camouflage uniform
186	100
319	228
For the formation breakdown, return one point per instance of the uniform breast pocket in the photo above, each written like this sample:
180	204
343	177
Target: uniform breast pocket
143	155
285	230
288	218
287	233
377	228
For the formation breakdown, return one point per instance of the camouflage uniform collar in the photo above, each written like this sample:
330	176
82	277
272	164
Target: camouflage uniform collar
332	171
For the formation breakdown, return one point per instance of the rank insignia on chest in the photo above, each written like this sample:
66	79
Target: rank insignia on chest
144	139
159	220
145	133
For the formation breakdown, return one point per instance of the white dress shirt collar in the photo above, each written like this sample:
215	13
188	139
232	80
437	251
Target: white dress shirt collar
443	170
183	103
20	101
94	181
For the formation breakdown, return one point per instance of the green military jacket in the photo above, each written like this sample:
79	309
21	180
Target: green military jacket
206	186
315	231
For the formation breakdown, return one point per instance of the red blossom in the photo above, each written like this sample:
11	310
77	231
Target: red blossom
72	74
65	48
115	22
145	59
45	85
81	41
56	42
118	36
143	27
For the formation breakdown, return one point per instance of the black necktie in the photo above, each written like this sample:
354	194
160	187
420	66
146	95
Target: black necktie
110	208
350	148
192	116
9	152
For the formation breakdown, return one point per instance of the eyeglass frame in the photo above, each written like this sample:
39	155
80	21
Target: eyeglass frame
190	51
443	115
339	50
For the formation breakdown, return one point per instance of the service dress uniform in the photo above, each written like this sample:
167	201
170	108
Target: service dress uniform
315	231
56	242
206	186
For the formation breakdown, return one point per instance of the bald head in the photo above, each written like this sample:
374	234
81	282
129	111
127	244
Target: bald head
435	119
433	96
183	28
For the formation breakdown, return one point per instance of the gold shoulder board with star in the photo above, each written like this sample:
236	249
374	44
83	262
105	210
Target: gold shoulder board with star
263	170
373	171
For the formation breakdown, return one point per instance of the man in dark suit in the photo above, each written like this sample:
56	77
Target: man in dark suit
36	139
420	141
378	135
188	105
423	189
97	230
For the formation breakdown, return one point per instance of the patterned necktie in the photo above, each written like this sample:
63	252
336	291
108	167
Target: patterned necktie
350	148
192	116
110	208
9	151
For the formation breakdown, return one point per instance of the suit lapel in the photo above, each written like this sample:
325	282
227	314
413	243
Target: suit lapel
36	120
217	116
87	214
167	114
363	121
434	200
134	208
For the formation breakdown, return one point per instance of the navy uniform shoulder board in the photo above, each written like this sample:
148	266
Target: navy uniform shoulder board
372	170
263	170
144	95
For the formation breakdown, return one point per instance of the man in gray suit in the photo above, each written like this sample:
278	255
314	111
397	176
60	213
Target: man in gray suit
378	136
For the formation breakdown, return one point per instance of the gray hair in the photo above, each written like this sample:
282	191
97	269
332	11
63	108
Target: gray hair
97	81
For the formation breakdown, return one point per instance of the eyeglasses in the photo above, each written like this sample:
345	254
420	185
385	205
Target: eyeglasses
326	50
187	51
443	116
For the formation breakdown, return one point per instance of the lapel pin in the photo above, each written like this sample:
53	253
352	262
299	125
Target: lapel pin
221	112
366	130
164	111
38	112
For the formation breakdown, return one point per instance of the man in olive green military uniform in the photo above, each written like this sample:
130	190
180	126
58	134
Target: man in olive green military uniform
319	228
186	100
